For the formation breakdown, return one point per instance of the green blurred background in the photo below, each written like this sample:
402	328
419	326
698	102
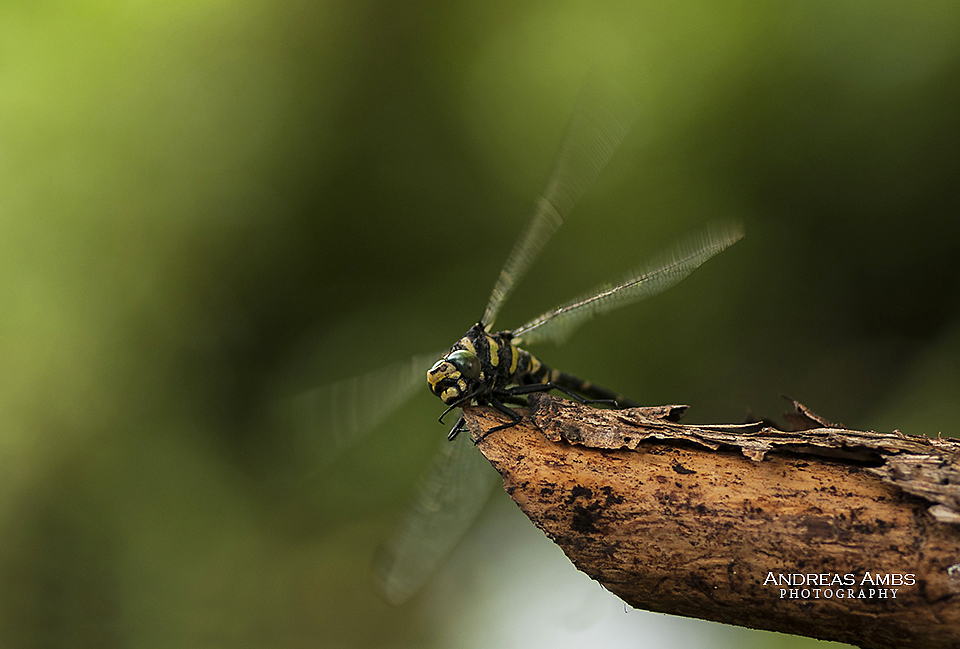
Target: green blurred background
205	206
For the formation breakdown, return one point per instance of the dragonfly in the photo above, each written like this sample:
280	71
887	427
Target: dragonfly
492	368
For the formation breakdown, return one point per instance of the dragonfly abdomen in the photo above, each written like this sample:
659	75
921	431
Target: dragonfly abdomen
531	370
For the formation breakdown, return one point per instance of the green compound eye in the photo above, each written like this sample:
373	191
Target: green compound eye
467	362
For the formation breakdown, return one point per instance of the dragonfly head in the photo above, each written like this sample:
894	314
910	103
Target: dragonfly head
454	376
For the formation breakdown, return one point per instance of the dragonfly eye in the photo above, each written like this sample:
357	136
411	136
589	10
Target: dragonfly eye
467	362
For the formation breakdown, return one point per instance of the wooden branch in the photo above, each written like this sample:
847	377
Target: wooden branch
830	533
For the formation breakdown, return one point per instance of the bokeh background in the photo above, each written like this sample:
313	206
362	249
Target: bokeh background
205	206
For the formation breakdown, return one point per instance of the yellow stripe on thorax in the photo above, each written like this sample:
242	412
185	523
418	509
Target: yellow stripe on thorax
494	351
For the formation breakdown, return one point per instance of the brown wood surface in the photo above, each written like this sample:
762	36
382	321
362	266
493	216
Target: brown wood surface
693	520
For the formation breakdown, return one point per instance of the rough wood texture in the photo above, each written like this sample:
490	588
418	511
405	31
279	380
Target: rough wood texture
746	524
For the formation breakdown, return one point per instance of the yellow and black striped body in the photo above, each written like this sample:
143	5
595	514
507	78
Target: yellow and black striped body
501	364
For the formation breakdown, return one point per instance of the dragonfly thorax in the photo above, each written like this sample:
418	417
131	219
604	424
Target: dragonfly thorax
475	365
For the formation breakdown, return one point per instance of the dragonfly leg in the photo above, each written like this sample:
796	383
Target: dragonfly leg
515	418
546	387
457	427
515	400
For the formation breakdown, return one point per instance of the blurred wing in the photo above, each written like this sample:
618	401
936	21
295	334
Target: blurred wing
649	279
335	416
601	120
449	499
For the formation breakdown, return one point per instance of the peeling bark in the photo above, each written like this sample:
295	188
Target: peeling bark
746	524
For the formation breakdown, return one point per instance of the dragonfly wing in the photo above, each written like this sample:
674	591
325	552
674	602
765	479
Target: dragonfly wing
449	499
602	118
660	274
335	416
